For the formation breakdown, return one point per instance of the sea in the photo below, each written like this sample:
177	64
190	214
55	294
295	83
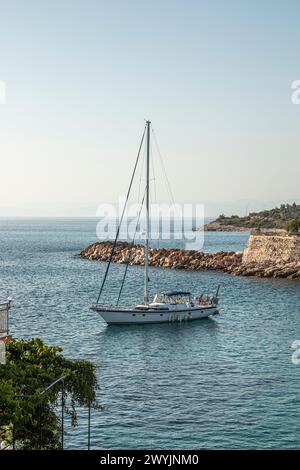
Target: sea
227	382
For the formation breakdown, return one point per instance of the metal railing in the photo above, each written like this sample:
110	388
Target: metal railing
4	324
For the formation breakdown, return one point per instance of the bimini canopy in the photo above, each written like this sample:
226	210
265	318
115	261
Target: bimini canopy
171	293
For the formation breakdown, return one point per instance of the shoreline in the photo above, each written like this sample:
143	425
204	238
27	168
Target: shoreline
218	227
215	226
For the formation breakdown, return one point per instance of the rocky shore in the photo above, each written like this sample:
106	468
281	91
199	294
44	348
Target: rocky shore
218	227
227	262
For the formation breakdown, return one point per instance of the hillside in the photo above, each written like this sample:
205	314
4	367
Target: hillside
268	219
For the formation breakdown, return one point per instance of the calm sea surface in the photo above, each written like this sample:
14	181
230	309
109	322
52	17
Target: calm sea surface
219	383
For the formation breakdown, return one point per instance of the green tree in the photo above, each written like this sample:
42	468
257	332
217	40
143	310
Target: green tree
31	366
293	226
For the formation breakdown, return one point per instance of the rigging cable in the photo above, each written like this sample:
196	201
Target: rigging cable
121	220
136	227
163	166
157	235
176	213
130	251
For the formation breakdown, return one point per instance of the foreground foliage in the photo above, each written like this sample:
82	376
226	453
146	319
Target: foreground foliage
25	404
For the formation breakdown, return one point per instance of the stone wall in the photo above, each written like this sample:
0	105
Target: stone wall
272	249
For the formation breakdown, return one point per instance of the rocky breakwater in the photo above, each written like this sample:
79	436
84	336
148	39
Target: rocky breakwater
264	256
164	258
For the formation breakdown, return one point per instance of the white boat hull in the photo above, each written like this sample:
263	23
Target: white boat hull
113	315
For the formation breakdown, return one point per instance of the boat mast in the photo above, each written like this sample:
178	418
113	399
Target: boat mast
146	296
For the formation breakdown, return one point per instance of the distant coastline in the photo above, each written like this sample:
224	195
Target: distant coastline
216	226
277	220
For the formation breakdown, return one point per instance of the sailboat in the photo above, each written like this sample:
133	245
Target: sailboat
168	306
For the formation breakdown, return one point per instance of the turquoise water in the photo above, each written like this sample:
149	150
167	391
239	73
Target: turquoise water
219	383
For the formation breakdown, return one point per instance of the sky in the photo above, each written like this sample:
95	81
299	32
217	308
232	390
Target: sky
214	77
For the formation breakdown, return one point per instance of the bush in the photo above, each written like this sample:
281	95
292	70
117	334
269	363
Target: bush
293	226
